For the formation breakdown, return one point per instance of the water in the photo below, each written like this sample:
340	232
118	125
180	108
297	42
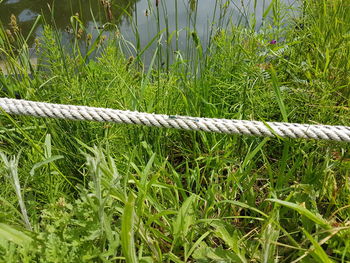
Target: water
129	15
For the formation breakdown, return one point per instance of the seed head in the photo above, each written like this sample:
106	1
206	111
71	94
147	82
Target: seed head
102	39
80	33
89	37
37	43
146	12
130	61
9	35
13	24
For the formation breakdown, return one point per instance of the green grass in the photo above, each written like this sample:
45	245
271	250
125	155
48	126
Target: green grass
95	192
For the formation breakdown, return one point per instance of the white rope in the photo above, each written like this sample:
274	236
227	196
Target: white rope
252	128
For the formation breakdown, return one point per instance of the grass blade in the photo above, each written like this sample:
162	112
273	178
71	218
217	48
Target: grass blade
127	233
303	211
319	254
18	237
277	90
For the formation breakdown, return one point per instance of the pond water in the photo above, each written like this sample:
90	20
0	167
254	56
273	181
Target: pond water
181	15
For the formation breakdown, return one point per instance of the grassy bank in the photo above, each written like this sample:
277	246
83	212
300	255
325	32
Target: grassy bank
95	192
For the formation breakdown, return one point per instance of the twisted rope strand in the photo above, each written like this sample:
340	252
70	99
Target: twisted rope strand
251	128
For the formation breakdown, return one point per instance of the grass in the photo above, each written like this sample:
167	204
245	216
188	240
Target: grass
96	192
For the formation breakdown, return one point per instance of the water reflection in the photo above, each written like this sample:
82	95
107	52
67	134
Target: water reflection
27	15
101	11
182	16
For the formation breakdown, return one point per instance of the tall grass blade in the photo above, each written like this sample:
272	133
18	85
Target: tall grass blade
278	93
303	211
318	253
127	231
11	166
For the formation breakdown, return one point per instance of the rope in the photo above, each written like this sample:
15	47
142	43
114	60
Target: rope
252	128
